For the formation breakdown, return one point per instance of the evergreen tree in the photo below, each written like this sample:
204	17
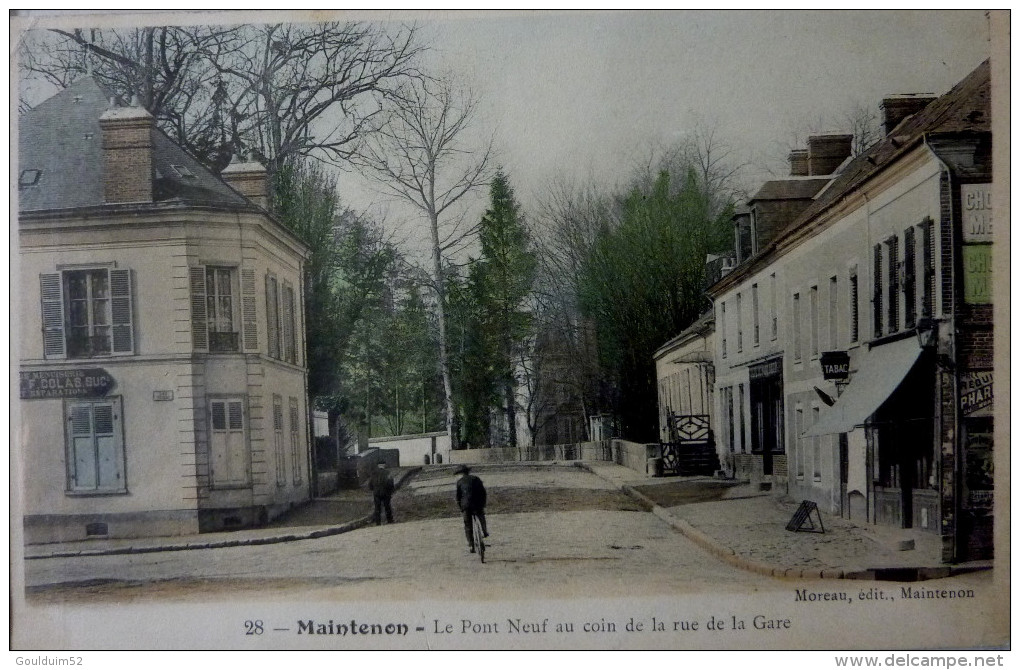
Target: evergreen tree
502	280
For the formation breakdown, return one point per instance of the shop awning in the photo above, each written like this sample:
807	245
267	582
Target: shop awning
881	372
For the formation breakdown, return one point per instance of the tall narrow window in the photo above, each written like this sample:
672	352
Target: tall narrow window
273	316
223	336
773	316
287	317
816	448
295	444
833	314
892	245
754	313
740	412
876	301
86	313
730	433
95	446
814	321
796	327
798	426
928	259
227	443
909	281
281	461
740	325
855	323
722	328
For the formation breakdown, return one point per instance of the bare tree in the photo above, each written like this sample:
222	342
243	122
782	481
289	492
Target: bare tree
422	157
271	91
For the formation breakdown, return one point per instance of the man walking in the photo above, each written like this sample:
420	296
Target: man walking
382	487
471	500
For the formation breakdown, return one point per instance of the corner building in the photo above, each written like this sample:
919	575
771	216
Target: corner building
862	330
163	388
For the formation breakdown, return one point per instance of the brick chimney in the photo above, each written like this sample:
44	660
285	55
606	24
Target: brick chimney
827	152
127	154
799	163
899	107
248	178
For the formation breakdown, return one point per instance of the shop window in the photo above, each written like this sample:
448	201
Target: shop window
95	446
87	313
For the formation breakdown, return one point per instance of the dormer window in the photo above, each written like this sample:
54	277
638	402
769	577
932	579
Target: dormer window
182	171
29	178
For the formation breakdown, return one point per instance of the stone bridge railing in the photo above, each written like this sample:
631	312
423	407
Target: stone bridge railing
636	456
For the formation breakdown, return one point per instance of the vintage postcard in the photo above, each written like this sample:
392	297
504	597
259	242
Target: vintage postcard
521	330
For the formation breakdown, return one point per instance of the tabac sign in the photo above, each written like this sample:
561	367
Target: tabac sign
835	365
76	383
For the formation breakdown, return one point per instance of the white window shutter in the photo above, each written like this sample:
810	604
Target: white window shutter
54	343
248	316
121	311
199	318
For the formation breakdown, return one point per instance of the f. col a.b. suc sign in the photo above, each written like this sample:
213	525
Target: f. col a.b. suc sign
74	383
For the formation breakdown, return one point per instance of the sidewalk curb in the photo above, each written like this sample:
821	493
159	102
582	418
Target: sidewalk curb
728	555
220	544
715	548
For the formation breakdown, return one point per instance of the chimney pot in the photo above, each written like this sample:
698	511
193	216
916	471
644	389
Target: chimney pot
798	163
899	107
249	178
827	152
127	154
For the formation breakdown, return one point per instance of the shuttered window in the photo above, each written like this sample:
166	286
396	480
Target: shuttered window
295	443
273	316
909	281
228	443
95	446
892	245
249	319
928	260
289	353
281	460
87	313
855	322
877	285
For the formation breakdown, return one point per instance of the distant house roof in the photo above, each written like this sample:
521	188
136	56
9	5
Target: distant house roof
790	189
965	109
704	325
61	139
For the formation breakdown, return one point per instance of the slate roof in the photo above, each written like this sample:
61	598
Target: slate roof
965	109
61	138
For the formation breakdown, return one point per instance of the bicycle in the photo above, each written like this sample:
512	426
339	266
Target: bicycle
476	526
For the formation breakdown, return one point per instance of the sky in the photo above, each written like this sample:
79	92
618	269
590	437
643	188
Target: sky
583	96
577	97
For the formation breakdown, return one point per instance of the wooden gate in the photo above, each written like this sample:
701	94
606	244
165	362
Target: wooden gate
691	449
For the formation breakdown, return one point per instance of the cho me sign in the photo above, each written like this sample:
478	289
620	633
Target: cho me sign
76	383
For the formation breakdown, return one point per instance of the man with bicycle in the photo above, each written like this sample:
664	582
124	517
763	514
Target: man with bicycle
471	500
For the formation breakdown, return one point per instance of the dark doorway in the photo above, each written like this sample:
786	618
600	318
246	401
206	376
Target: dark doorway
766	397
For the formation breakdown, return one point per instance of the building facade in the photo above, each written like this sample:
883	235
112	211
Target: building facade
861	332
163	387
